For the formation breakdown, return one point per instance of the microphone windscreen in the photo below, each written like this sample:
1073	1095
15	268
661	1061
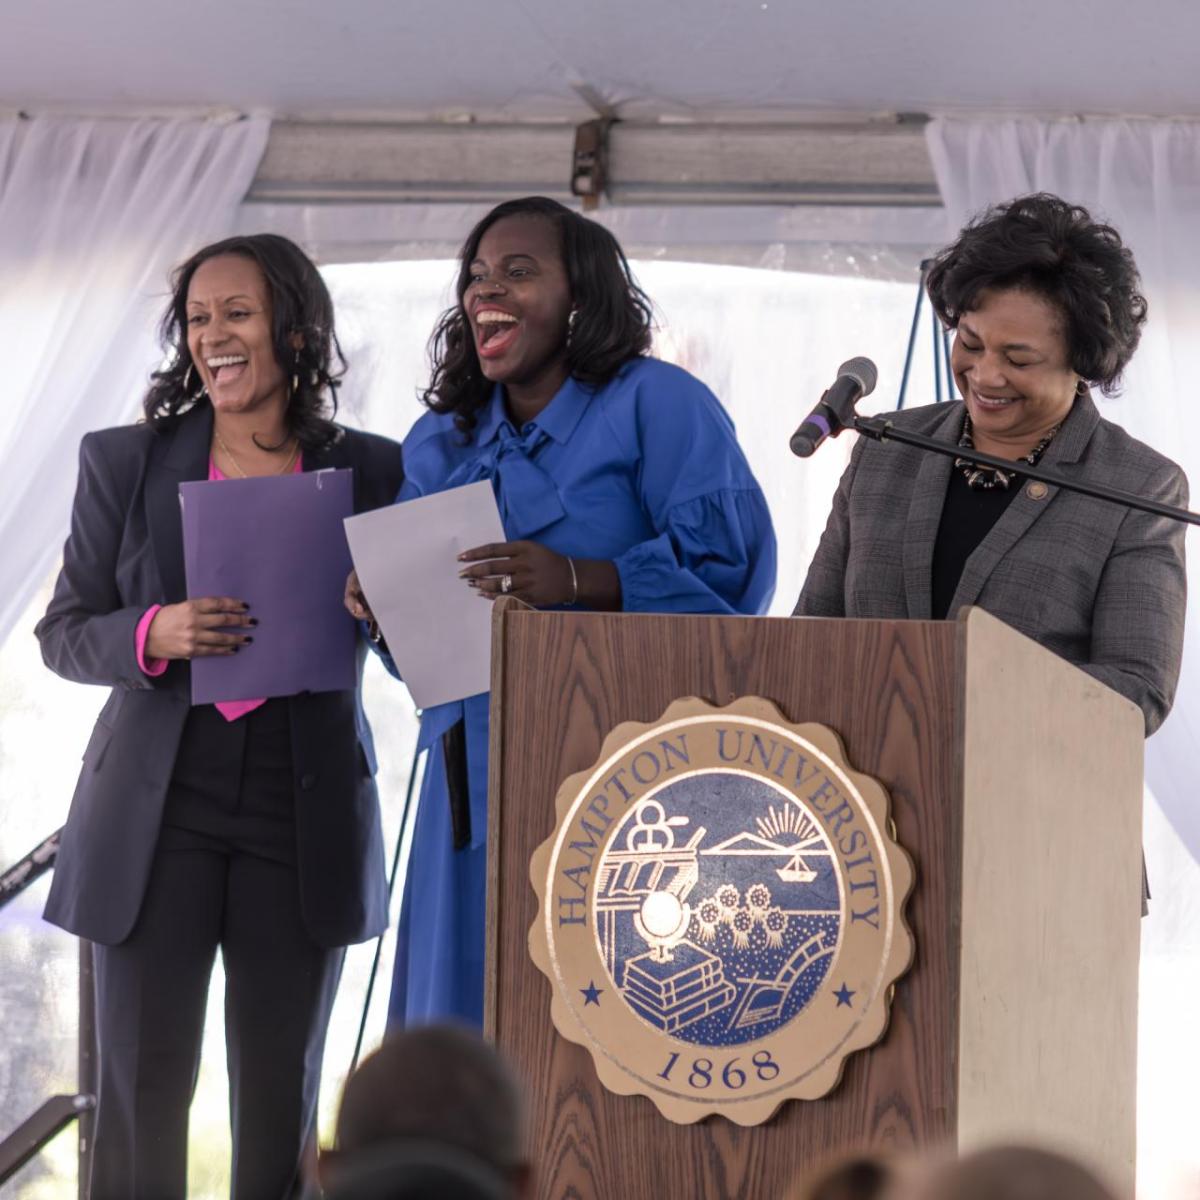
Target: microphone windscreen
863	371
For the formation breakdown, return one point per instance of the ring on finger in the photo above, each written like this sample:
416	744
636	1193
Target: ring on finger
506	583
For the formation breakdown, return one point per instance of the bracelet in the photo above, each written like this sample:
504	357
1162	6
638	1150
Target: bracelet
574	582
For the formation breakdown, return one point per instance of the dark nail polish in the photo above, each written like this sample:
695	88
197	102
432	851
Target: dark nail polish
247	640
252	621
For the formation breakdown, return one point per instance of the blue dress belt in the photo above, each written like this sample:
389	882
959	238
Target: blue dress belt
454	756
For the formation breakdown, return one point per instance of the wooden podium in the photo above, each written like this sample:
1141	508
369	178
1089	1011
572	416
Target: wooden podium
1016	787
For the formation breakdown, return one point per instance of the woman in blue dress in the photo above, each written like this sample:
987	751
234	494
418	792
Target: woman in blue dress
621	486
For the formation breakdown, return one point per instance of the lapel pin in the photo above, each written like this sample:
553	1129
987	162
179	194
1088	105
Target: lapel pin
1037	490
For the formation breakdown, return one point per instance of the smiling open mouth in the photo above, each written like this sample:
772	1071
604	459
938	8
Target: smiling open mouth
226	368
495	331
993	401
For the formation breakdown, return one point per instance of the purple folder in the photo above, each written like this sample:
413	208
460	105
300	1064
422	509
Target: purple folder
279	544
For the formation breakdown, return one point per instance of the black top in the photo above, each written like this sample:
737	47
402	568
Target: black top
967	517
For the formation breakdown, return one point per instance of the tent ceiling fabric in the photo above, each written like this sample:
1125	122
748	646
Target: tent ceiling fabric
518	59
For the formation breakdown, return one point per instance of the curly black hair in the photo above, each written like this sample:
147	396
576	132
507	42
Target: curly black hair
300	304
613	323
1056	250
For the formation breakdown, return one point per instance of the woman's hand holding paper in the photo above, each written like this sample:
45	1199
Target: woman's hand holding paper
540	577
356	604
197	628
533	573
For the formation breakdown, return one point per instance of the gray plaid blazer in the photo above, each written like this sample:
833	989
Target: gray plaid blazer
1100	585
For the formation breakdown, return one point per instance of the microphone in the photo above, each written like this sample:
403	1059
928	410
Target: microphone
835	410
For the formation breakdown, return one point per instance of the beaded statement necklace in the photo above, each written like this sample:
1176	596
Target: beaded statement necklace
986	478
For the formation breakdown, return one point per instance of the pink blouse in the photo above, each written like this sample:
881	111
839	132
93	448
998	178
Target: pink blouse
229	709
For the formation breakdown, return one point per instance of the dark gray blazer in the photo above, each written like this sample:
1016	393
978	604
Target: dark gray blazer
1100	585
125	553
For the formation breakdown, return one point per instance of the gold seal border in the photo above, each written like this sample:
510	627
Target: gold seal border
894	961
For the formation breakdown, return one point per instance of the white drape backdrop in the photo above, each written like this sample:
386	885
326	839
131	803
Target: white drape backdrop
1143	176
93	214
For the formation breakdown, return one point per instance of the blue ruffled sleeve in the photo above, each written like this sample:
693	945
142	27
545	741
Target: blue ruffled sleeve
716	554
715	546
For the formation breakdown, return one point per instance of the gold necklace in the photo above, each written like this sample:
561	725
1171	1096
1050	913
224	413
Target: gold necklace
229	454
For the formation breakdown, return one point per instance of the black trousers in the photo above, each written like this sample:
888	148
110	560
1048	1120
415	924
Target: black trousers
224	877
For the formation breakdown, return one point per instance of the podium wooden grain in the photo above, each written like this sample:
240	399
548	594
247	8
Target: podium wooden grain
1015	783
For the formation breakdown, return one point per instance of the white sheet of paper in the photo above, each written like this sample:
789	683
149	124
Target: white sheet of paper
437	628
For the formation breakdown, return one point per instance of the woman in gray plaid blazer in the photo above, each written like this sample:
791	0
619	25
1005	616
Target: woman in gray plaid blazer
1045	304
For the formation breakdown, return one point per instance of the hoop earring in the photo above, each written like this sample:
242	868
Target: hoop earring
187	381
572	317
1081	388
295	375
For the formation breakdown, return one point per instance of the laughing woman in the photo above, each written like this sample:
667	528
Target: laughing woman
621	486
249	828
1045	304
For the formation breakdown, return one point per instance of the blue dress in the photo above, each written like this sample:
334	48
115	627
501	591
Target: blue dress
646	472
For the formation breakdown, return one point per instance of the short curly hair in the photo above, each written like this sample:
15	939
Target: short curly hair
1056	250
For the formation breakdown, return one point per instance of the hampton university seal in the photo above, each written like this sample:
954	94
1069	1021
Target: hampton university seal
721	910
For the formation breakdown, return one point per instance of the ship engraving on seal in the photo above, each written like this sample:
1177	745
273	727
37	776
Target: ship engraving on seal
721	910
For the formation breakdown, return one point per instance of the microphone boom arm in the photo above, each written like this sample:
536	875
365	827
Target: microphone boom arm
881	430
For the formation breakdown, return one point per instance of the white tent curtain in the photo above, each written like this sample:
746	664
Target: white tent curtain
93	214
1143	176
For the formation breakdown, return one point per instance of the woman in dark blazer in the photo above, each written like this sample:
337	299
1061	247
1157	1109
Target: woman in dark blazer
1045	304
250	828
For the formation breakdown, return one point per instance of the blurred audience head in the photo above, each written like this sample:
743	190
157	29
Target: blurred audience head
863	1177
1005	1173
433	1112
